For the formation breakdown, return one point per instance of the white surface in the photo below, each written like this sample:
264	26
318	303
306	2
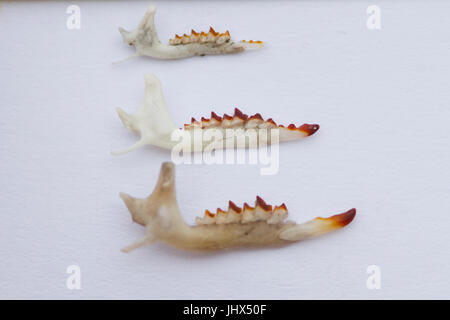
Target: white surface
381	98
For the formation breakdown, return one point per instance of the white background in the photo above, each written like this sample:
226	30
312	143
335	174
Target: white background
381	98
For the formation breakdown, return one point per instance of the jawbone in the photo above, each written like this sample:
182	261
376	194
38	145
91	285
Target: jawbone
258	226
145	39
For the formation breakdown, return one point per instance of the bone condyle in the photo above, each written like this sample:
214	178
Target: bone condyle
154	124
250	226
145	39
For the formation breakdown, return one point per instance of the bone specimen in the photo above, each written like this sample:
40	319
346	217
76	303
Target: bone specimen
155	126
145	40
261	225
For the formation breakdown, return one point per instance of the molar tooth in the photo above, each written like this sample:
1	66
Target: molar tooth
215	121
223	37
194	36
268	124
238	114
234	213
227	121
215	116
248	214
263	211
236	122
195	123
185	39
279	214
209	218
203	37
205	122
221	216
176	40
308	129
212	35
254	121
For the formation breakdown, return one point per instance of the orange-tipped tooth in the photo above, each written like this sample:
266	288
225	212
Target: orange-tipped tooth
342	219
178	37
256	116
209	214
238	113
273	123
220	211
282	207
262	204
194	33
227	117
279	214
234	207
318	226
227	33
249	214
212	31
215	116
309	129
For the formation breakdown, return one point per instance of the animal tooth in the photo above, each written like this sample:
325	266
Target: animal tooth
160	214
185	39
234	213
227	121
268	124
215	116
248	214
279	214
195	123
209	218
194	36
211	36
263	211
254	121
203	37
221	216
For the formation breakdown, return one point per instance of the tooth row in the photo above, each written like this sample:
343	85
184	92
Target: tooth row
240	119
201	37
247	214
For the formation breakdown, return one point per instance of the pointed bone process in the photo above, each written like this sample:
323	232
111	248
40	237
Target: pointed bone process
258	226
155	126
145	39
